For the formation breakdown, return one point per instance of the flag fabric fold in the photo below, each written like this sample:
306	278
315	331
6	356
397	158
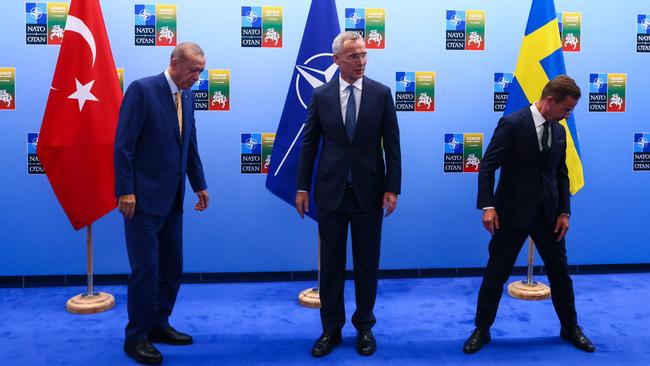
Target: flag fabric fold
314	67
540	60
75	145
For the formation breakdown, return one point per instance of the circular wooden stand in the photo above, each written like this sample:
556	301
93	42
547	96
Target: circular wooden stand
97	303
534	291
309	298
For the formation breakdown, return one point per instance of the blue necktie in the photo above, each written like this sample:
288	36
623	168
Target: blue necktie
351	114
350	121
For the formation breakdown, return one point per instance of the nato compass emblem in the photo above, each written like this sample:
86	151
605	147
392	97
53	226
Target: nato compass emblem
453	143
314	72
645	24
251	143
355	18
643	142
455	20
598	83
251	16
144	15
405	81
504	82
36	13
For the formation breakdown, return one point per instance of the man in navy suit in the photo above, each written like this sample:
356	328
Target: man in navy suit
358	175
532	198
155	149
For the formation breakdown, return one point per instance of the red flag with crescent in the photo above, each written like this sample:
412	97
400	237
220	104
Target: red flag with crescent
75	144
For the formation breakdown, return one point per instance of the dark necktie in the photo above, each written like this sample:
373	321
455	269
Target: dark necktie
351	114
545	148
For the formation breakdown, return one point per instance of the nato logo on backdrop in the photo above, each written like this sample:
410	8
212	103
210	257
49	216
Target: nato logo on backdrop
256	152
502	82
414	91
155	25
607	92
641	151
261	26
212	91
369	23
463	152
45	22
465	30
643	33
33	163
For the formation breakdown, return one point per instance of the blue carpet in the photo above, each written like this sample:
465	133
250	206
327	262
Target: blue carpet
420	321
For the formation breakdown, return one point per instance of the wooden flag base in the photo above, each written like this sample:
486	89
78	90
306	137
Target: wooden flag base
309	298
534	291
82	304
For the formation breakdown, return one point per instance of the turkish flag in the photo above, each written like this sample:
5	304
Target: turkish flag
75	145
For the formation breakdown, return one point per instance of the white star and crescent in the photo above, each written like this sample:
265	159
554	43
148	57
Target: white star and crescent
83	91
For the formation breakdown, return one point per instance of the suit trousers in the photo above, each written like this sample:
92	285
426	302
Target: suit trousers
366	238
155	248
504	248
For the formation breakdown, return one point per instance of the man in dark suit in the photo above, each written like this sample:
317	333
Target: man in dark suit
532	198
354	117
155	149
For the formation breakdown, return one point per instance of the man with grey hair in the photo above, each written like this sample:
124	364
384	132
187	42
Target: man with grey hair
155	149
358	179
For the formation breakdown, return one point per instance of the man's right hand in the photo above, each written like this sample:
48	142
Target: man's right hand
490	220
126	205
302	203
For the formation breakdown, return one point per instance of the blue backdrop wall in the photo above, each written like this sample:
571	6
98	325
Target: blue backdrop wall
248	229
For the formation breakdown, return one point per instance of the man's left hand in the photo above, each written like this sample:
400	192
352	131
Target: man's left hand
389	203
203	200
561	226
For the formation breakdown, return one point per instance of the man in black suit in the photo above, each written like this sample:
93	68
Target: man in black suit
355	118
532	198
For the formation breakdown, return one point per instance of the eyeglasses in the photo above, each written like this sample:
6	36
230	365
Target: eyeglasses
356	56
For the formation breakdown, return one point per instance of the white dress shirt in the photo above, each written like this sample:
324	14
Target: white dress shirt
344	93
172	86
539	126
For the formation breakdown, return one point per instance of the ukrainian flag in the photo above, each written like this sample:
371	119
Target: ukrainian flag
540	60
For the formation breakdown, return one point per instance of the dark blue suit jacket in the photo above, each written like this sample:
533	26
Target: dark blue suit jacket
376	123
526	179
151	158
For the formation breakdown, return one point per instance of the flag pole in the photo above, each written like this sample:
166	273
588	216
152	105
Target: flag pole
528	289
310	297
90	302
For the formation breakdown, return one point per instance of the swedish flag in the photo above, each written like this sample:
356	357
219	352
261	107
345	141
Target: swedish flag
540	60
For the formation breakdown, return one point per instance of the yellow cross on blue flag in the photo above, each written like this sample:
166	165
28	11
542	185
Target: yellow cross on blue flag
540	60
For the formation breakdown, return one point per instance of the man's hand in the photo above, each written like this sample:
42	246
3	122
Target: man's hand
302	203
203	200
561	226
126	205
389	203
490	220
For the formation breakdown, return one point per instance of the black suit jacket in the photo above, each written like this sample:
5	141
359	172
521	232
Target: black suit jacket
526	179
376	123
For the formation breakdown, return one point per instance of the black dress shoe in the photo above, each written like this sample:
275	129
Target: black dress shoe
169	335
366	344
477	340
143	352
325	344
578	338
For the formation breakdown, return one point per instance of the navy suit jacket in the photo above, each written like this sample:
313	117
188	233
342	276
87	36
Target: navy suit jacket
151	157
527	179
376	123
